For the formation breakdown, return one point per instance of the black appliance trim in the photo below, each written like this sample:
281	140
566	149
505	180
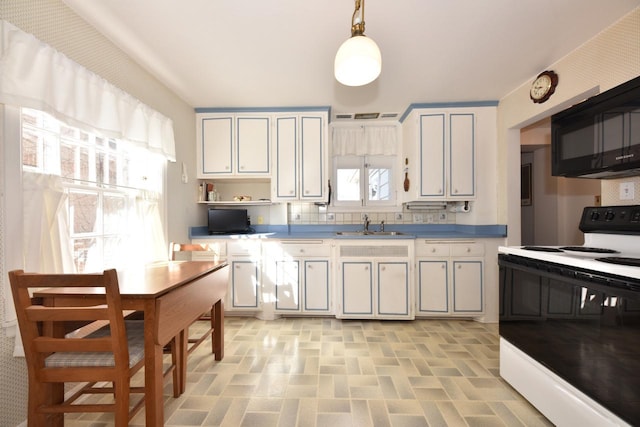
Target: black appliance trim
600	280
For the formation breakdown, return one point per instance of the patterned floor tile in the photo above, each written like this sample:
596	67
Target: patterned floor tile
329	372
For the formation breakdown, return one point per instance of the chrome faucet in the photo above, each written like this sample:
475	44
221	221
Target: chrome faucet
366	223
382	225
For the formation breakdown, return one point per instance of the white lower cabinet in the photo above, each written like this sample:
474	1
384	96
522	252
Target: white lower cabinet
245	275
449	278
374	280
298	275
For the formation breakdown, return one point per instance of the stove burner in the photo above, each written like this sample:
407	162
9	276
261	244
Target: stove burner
541	249
589	250
634	262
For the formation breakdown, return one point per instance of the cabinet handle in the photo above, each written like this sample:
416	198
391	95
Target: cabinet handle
468	250
442	266
433	250
383	268
309	266
366	268
455	191
242	167
301	251
459	266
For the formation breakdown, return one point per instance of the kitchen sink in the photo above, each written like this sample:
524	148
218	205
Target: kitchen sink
369	233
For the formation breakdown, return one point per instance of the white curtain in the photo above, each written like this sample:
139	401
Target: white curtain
45	223
35	75
365	141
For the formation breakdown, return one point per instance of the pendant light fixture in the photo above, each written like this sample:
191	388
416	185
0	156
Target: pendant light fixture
358	61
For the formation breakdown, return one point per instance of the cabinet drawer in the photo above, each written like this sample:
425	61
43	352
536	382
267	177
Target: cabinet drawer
243	247
306	248
432	249
467	249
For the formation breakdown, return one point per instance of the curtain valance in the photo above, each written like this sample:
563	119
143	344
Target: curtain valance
35	75
365	141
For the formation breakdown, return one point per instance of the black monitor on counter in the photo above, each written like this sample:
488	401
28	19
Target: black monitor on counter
228	221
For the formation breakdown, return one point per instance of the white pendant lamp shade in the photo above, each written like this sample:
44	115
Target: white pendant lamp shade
358	61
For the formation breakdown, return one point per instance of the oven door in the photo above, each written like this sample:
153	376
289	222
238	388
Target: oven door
581	325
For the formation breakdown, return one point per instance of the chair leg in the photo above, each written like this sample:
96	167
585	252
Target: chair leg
44	394
121	394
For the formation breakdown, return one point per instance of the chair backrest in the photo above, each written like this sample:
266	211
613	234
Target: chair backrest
175	248
39	323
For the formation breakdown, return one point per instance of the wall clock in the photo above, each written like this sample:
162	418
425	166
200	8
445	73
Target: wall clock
543	86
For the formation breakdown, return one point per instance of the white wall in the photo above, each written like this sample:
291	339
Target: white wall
609	59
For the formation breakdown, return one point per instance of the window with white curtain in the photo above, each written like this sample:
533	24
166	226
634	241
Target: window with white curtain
364	165
107	182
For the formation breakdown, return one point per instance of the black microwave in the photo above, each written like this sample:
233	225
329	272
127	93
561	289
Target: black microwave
228	221
600	137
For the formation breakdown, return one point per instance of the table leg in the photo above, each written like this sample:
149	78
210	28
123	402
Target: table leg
153	372
181	363
218	330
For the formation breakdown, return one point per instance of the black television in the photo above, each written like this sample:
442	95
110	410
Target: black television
228	221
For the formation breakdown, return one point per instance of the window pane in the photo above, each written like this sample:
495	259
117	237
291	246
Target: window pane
348	184
114	213
379	184
114	251
84	251
83	208
29	149
67	161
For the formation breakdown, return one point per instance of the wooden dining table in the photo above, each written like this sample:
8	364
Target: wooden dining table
171	295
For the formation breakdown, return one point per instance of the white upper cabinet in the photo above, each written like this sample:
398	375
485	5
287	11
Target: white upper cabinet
441	147
300	157
233	145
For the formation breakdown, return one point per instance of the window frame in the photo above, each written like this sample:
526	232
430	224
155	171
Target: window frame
364	163
131	173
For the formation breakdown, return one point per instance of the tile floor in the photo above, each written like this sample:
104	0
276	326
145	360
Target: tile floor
328	372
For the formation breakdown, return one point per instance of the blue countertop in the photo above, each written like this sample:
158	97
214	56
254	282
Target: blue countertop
410	231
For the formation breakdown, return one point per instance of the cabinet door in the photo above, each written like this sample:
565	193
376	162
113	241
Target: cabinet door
393	288
288	285
467	286
312	158
286	154
357	288
253	145
432	150
433	287
244	284
215	142
316	285
462	155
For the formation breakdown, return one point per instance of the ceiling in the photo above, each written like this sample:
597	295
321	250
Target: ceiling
279	53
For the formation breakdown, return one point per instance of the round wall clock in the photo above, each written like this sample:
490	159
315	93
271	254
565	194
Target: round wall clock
543	86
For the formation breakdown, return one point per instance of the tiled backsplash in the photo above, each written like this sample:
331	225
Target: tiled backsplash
308	213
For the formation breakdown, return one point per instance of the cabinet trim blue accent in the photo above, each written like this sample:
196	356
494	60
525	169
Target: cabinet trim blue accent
261	109
446	105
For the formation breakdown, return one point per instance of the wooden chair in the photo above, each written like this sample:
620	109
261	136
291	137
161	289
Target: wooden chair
110	354
188	249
